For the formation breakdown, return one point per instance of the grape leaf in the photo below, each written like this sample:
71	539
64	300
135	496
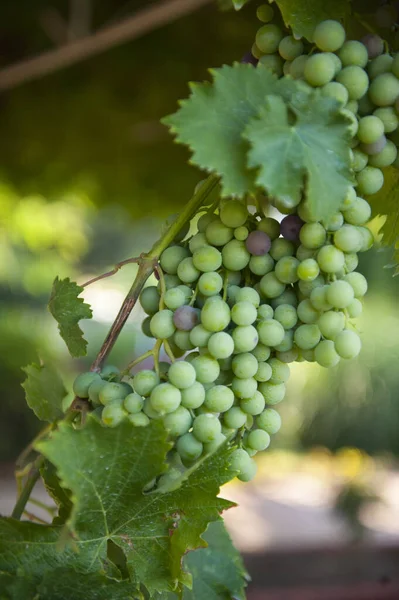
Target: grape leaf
212	120
303	16
56	585
106	470
67	309
60	495
302	145
44	391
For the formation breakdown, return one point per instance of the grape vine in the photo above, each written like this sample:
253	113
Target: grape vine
257	272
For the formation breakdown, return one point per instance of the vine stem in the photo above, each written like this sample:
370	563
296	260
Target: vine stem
147	264
26	491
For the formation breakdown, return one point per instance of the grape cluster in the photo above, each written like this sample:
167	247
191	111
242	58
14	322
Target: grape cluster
240	299
361	75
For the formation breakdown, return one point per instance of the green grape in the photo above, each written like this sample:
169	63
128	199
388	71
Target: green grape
329	36
174	298
319	69
380	64
347	344
340	294
264	372
355	308
182	374
325	354
281	248
270	286
272	393
287	67
219	399
245	338
351	262
271	332
307	336
268	38
235	256
241	233
331	323
254	405
386	157
233	278
389	118
114	391
303	253
206	427
371	128
353	53
359	213
149	300
269	421
187	272
145	381
286	269
265	312
261	352
232	291
285	314
318	298
171	281
235	418
133	403
212	446
384	89
150	411
330	259
221	345
370	181
297	68
206	367
215	314
110	373
194	396
207	259
308	269
290	48
189	447
307	313
355	80
366	107
258	439
225	363
366	237
172	257
287	343
244	388
224	378
337	91
199	336
181	343
287	297
205	220
197	241
280	371
218	234
348	239
360	160
138	419
306	287
94	390
260	265
233	213
269	226
178	422
113	414
247	294
312	235
358	283
256	52
165	398
244	365
243	313
83	382
265	13
272	62
289	355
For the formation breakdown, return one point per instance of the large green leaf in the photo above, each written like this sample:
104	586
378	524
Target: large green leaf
44	391
303	15
300	147
68	309
60	495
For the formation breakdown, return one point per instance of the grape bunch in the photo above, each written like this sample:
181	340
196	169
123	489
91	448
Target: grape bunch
362	76
237	302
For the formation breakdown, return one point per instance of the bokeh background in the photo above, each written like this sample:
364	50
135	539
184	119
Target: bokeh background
87	176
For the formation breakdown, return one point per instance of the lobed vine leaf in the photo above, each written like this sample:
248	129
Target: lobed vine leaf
68	309
60	495
301	147
44	391
302	17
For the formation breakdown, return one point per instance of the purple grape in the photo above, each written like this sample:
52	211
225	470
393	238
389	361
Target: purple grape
290	227
186	318
375	147
258	243
249	59
374	44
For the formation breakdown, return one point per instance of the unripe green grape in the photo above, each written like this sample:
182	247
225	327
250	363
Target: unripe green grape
205	220
331	323
145	381
178	422
358	283
271	332
215	314
307	355
386	157
194	396
366	107
235	418
114	391
312	235
219	399
384	89
181	374
308	269
286	269
269	420
380	64
165	398
94	390
261	352
307	336
359	213
248	294
145	327
306	287
187	272
258	440
340	294
389	118
329	35
265	312
206	367
243	313
353	53
218	234
303	253
256	52
241	462
355	80
197	241
290	48
270	226
212	446
138	419
286	315
348	239
281	248
207	259
330	259
235	255
254	405
287	297
360	160
268	38
307	313
370	181
272	393
206	427
273	62
319	70
172	257
133	403
83	382
348	344
270	286
289	356
199	336
260	265
244	365
221	345
297	68
371	128
287	342
337	91
241	233
113	414
325	354
355	308
265	13
174	298
318	298
264	372
149	299
233	213
287	67
244	388
189	447
366	237
280	371
351	262
245	338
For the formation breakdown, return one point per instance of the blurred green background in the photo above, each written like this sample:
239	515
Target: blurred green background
87	174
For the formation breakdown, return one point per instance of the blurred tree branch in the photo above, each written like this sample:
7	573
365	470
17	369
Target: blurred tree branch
131	28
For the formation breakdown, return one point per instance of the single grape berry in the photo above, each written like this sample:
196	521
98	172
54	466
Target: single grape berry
290	227
258	243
